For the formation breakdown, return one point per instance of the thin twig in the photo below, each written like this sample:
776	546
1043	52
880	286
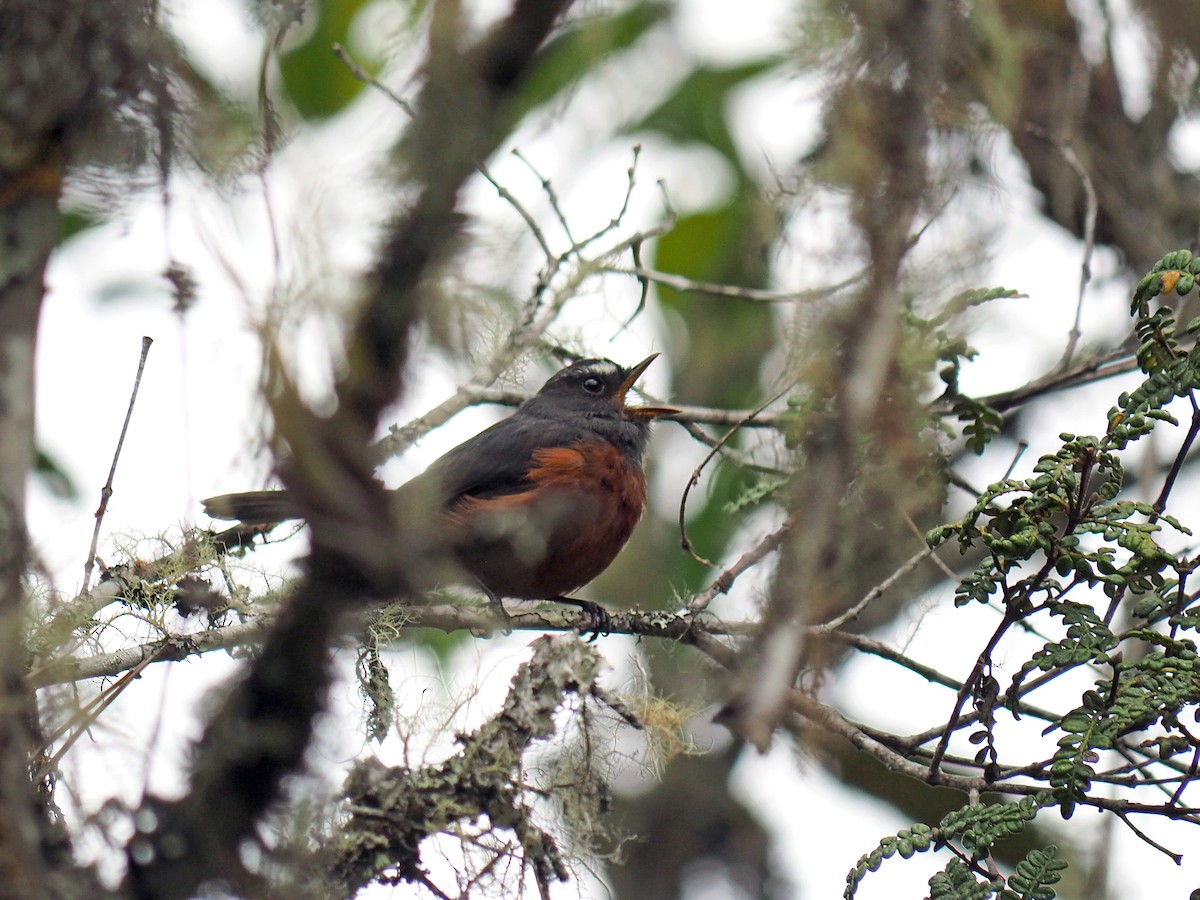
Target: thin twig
878	648
685	541
884	651
759	295
1177	858
107	491
530	222
981	664
876	592
1191	773
937	560
266	109
367	78
270	135
615	221
644	293
1091	211
723	582
1160	502
737	457
708	415
551	195
89	713
1108	365
1022	446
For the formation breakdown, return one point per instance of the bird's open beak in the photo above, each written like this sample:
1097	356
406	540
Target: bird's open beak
642	412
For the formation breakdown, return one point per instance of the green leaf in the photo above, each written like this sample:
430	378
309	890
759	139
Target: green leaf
909	841
956	882
765	488
76	221
318	84
978	827
572	55
1035	874
975	297
723	343
696	112
54	477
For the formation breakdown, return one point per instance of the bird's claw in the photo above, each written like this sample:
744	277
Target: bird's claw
497	606
600	621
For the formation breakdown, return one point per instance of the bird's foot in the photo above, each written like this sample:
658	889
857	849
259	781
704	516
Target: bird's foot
600	620
497	606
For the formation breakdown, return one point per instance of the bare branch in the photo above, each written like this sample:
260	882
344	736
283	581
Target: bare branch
107	491
733	291
1091	212
876	592
723	582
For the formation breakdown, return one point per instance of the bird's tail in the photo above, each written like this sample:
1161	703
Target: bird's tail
253	507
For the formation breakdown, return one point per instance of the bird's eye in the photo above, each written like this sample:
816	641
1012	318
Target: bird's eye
593	385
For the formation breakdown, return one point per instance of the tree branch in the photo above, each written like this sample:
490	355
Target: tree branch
261	732
680	626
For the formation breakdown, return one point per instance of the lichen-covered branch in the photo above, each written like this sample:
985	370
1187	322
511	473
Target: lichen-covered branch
67	72
261	732
393	809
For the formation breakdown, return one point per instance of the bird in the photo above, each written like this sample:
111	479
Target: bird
538	504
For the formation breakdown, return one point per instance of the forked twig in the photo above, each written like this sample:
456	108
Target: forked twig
85	716
615	221
530	223
551	195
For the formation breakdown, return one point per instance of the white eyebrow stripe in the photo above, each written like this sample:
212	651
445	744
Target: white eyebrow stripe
603	368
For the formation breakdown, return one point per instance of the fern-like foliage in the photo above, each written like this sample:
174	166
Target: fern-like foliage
1087	640
971	831
1155	687
957	882
1032	880
1061	551
980	421
1034	875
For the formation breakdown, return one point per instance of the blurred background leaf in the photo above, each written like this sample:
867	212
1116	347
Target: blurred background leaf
318	84
53	476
